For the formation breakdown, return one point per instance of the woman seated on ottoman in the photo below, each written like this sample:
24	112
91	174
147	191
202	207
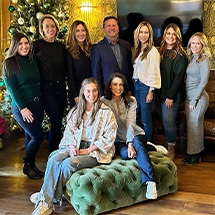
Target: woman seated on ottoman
130	141
87	141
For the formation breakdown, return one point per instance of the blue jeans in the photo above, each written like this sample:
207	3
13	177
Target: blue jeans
142	156
169	116
34	135
59	169
144	110
54	97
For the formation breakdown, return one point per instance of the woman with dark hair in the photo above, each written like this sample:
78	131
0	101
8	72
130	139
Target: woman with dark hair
87	141
172	93
52	58
21	76
79	46
146	75
130	140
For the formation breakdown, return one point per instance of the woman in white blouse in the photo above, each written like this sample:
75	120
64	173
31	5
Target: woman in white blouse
146	62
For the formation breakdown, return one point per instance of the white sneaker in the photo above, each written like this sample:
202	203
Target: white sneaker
34	197
161	149
151	192
42	208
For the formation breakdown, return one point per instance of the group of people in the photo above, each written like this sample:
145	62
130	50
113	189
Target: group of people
104	118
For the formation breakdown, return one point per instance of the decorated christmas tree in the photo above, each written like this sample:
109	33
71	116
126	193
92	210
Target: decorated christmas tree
25	16
27	12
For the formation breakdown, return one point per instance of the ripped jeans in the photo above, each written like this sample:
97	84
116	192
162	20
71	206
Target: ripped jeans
59	169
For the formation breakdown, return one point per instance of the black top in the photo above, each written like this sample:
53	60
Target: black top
51	60
78	70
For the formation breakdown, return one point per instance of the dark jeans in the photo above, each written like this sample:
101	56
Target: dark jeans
33	131
142	156
54	98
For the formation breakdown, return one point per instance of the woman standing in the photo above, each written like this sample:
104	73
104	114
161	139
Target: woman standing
130	139
197	99
172	93
79	46
88	140
51	57
146	61
21	76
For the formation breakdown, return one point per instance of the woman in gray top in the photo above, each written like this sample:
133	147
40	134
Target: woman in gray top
130	139
197	99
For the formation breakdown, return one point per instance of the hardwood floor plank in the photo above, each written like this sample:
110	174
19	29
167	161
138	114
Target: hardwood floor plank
195	196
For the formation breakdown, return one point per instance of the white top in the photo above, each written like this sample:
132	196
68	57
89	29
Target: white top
148	69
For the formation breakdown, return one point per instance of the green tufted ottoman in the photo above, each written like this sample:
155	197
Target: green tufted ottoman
107	187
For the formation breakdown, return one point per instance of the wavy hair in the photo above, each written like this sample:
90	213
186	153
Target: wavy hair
81	105
10	64
205	51
72	43
137	43
125	95
177	48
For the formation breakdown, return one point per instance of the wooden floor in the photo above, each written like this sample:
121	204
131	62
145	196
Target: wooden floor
196	184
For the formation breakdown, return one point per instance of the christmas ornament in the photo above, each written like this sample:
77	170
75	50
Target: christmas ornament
11	8
39	14
64	30
32	29
47	5
2	83
12	30
21	21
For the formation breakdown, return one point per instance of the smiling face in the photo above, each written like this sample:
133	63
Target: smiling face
170	38
49	29
23	47
91	93
111	29
80	34
144	34
117	87
196	45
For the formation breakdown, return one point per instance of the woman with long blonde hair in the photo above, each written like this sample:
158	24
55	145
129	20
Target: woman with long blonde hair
197	99
146	63
88	140
172	93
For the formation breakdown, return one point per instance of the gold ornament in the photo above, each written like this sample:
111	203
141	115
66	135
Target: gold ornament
32	29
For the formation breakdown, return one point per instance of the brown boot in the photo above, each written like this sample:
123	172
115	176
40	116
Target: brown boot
171	152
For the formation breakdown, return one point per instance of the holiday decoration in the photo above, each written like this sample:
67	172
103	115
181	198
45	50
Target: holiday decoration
26	14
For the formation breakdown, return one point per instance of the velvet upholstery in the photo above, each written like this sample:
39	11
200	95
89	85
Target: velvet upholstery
107	187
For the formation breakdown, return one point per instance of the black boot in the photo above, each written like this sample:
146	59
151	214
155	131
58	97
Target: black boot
39	172
28	170
192	159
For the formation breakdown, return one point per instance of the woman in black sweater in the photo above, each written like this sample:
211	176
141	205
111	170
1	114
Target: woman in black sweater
79	46
52	62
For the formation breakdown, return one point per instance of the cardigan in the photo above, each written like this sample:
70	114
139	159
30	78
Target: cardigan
126	120
104	130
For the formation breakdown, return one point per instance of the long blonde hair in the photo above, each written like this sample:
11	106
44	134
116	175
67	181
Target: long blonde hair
205	52
177	48
137	43
79	109
72	43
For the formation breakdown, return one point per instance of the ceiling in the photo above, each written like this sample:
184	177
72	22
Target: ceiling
156	11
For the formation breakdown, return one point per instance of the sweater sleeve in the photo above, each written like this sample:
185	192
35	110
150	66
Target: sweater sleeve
10	83
204	72
179	71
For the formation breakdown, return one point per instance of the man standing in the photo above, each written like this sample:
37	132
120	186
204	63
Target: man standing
111	55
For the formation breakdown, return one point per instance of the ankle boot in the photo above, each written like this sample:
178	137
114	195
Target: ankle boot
171	152
39	172
28	170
